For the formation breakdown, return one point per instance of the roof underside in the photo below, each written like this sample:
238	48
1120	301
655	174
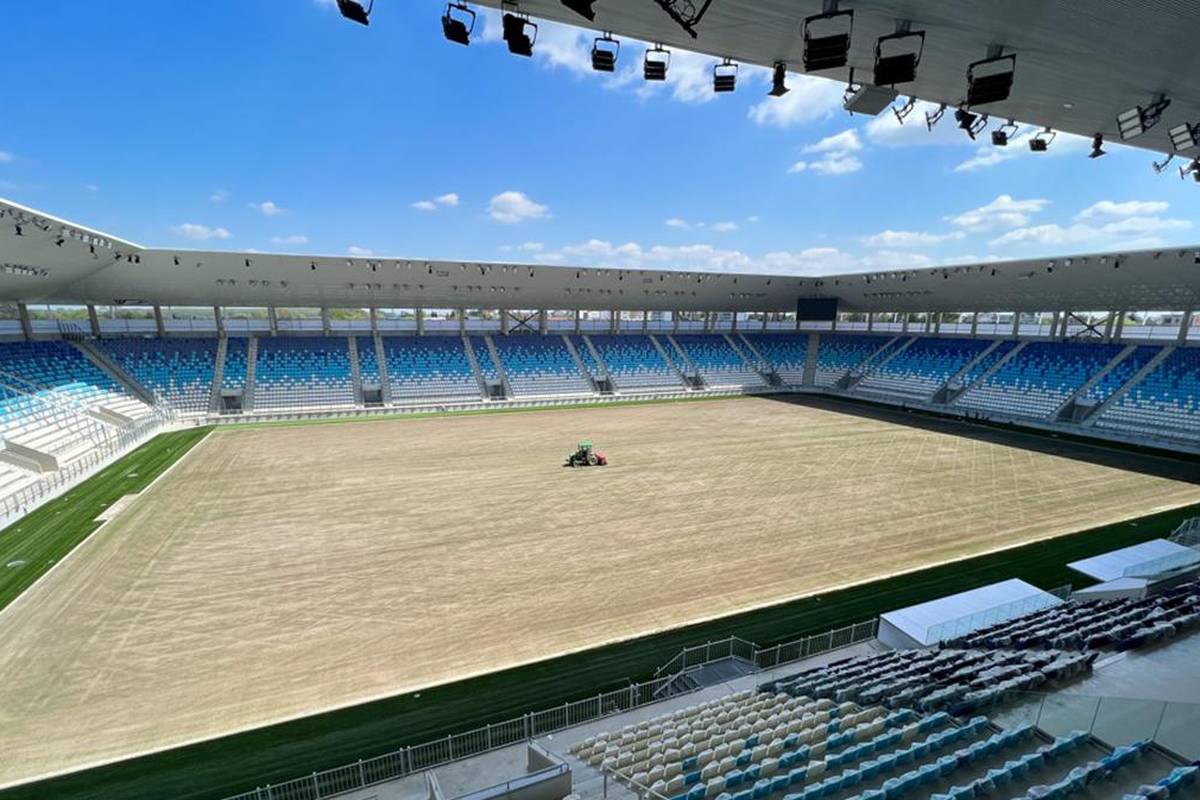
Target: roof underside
1079	64
54	261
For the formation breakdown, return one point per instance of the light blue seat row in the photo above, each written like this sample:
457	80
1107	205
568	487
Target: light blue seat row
540	365
1165	403
717	362
1039	379
634	362
429	368
786	353
368	361
303	371
840	353
177	371
922	368
236	354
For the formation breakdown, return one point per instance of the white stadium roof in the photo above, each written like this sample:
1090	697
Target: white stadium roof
56	261
1078	64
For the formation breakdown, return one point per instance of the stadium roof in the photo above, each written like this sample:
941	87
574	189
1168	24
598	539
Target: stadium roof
1078	64
55	261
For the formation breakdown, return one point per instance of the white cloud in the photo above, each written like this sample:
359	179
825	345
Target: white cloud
1138	228
809	99
1128	208
268	208
532	247
752	218
425	205
218	196
201	233
845	142
6	157
355	250
836	155
295	238
512	207
725	227
676	222
448	199
832	164
91	187
1003	212
891	238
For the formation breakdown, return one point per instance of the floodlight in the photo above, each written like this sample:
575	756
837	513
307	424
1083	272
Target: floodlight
604	53
724	76
899	67
519	33
1140	119
1161	166
1097	144
355	12
457	23
935	117
990	80
831	50
655	63
581	7
1001	135
1192	169
1042	140
778	86
973	124
1184	136
905	109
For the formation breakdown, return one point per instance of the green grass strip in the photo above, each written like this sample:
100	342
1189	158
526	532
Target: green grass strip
274	754
40	540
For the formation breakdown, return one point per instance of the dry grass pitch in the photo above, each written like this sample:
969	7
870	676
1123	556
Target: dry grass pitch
278	571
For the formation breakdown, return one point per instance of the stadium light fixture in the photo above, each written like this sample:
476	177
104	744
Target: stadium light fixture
1097	146
778	80
605	50
458	22
520	34
1041	142
990	80
655	63
935	117
355	11
899	67
1139	119
831	50
17	230
1192	169
1001	135
724	76
973	124
1160	167
581	7
1184	136
904	110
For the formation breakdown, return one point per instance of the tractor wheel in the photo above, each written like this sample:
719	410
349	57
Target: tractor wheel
592	460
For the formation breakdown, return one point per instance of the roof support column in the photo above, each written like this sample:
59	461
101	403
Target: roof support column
614	321
708	321
1184	325
797	320
158	322
1054	324
373	313
219	320
577	316
928	321
1108	326
273	320
420	312
674	322
1016	328
870	321
734	328
904	323
974	324
833	323
26	325
645	320
937	323
543	322
764	321
503	321
93	320
1119	328
324	321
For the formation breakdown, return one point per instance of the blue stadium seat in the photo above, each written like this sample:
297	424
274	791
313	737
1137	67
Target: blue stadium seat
177	371
1164	403
303	371
921	368
635	363
1039	379
786	353
431	368
537	365
718	362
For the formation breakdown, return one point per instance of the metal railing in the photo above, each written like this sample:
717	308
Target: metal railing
696	656
959	626
407	760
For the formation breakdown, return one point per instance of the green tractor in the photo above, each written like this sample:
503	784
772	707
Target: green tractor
586	456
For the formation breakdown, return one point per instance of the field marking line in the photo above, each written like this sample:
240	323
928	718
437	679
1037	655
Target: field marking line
29	589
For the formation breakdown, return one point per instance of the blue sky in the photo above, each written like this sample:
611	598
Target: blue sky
267	125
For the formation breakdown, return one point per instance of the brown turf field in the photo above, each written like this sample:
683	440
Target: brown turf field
278	571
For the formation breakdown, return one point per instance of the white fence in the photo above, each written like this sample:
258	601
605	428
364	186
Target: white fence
407	760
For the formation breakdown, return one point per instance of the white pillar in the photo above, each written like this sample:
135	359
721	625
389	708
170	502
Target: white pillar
904	323
764	322
420	312
374	314
158	322
674	322
974	324
503	321
614	321
1054	321
273	320
870	321
937	323
645	320
220	320
26	324
1108	326
577	315
462	321
93	320
543	321
734	327
324	321
1016	326
1184	325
